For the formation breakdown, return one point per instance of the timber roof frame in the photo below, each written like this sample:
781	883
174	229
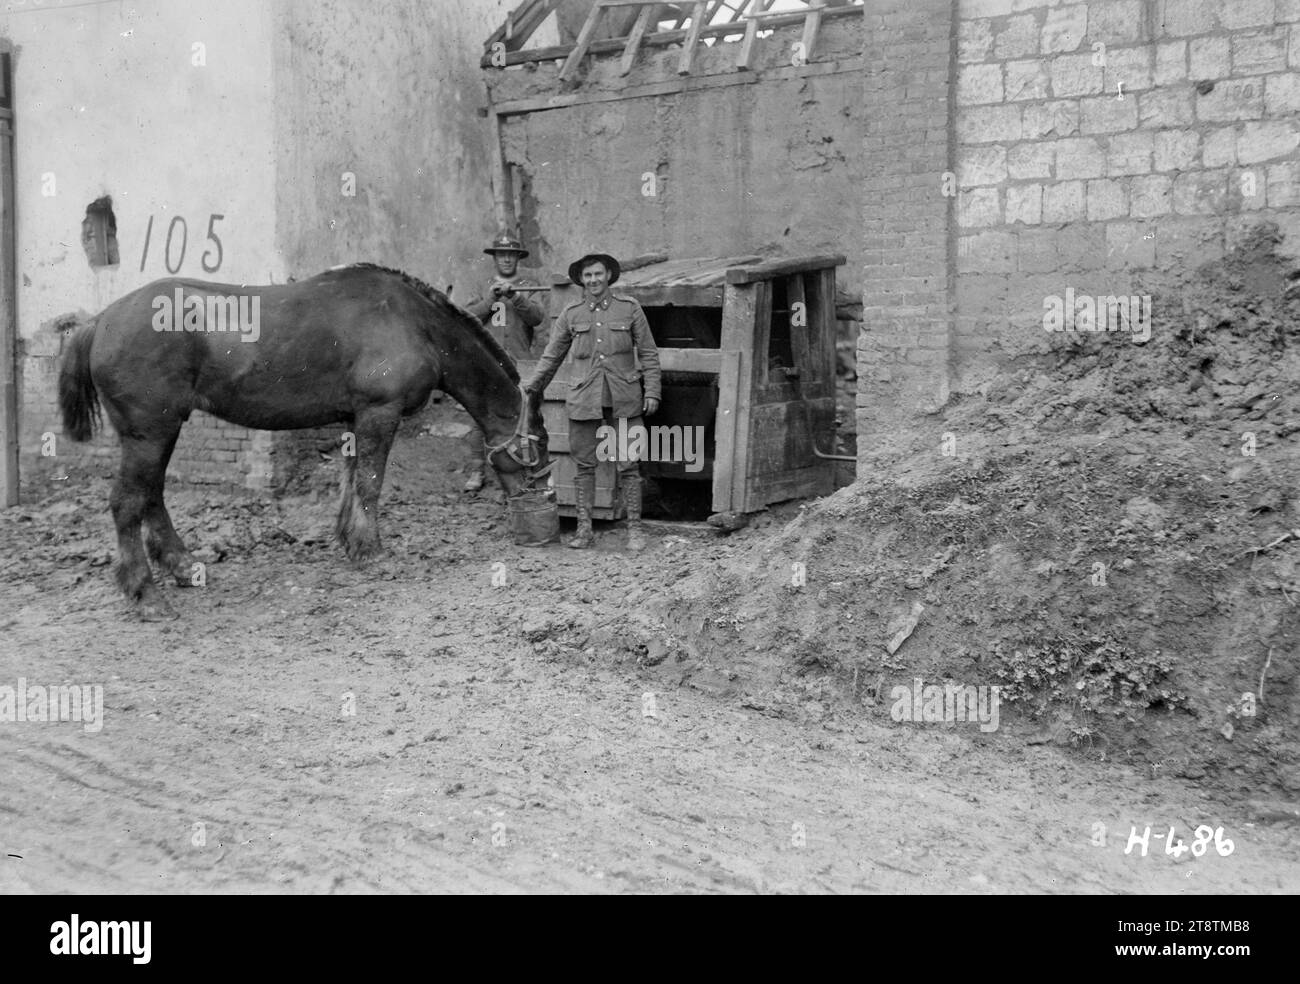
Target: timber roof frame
720	19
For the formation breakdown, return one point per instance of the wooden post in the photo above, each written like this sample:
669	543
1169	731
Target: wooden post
634	42
502	192
823	337
745	308
800	345
747	45
811	25
725	431
584	41
8	296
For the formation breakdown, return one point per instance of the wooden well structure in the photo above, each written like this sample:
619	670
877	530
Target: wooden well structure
747	348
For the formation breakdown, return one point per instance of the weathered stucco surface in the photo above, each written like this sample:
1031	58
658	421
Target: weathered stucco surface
252	112
393	100
111	102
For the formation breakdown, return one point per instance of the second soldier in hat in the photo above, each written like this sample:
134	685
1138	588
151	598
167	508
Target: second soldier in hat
511	316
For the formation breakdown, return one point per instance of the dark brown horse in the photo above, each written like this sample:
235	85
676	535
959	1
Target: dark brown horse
362	345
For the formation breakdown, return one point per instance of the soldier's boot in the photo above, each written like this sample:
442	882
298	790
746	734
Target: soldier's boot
585	489
632	497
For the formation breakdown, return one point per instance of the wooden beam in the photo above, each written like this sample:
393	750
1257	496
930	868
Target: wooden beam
695	83
656	295
690	360
692	38
746	56
781	268
502	195
641	260
811	25
738	11
634	42
520	25
584	41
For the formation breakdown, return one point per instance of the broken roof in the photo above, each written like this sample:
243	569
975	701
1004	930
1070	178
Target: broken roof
606	26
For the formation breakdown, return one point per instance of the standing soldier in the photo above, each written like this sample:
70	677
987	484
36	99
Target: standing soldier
613	352
510	316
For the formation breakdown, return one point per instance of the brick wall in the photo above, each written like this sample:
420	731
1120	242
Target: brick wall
903	348
45	455
1097	140
213	452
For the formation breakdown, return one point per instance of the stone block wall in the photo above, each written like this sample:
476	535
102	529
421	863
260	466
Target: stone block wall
1088	144
1098	140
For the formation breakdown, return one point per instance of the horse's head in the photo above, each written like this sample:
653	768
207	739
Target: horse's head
524	456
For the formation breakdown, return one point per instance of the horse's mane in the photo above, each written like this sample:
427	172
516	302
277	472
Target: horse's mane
447	305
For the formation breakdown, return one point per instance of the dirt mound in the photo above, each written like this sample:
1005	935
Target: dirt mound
1109	534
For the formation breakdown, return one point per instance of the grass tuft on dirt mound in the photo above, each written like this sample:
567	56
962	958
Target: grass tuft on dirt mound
1109	533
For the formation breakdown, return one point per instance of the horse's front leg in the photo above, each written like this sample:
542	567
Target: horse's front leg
374	428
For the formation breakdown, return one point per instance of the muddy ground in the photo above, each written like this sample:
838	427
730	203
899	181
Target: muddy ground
416	727
1108	531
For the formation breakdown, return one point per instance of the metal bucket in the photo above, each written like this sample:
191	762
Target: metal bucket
534	517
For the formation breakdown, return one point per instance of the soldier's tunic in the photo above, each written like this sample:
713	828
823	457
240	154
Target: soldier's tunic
613	354
521	314
615	369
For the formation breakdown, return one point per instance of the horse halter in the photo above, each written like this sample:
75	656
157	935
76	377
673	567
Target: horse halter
521	446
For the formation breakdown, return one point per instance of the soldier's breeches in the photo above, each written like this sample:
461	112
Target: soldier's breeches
589	445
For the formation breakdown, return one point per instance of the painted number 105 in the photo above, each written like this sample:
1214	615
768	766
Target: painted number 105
174	248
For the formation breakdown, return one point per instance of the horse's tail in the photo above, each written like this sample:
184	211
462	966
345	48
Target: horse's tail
77	396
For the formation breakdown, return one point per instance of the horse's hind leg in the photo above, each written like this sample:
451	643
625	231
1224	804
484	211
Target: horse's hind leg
347	495
374	429
164	546
138	483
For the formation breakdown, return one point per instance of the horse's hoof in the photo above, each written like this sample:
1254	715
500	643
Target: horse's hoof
362	553
157	611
